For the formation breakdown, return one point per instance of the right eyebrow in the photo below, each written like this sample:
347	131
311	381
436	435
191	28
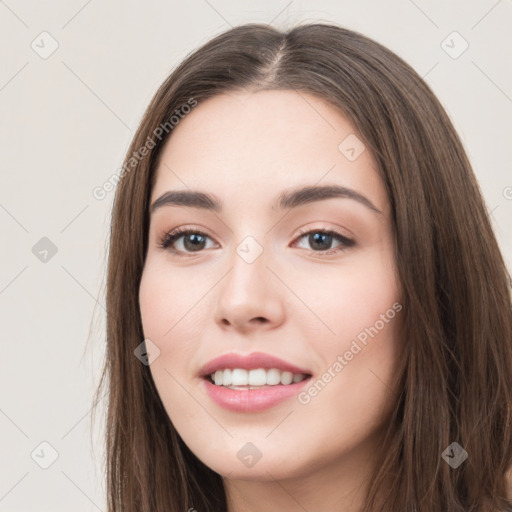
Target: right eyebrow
193	199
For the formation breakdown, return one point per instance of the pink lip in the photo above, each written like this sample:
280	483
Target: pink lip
249	362
251	400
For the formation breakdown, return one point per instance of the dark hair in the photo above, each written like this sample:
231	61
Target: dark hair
456	378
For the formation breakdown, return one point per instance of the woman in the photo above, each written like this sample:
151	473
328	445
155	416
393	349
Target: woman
302	264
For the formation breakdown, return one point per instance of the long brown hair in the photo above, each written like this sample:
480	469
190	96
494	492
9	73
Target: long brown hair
456	383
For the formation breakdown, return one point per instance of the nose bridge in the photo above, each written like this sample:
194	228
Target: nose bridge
251	248
248	291
248	266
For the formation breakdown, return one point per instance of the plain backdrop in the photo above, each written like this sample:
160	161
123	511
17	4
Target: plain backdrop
75	79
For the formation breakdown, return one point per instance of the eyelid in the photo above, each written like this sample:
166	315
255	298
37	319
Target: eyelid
324	229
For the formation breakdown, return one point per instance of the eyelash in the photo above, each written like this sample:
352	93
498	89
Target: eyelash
171	237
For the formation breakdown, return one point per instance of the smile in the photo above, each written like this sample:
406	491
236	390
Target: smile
255	378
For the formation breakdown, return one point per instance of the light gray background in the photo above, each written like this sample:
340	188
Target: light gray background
67	121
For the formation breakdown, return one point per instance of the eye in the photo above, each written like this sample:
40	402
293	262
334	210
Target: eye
321	241
188	241
193	241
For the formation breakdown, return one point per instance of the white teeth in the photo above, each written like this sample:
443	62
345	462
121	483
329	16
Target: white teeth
297	377
226	377
273	377
238	377
256	377
286	378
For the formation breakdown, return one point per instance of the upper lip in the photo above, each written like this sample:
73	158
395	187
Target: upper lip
248	362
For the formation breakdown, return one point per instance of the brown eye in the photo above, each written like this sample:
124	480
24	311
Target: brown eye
321	240
193	241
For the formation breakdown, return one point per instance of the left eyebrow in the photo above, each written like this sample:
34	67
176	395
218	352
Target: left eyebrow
291	198
309	194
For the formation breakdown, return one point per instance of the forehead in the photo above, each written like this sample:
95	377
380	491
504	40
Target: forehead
258	143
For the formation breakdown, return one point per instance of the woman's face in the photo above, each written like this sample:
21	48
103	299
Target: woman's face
256	274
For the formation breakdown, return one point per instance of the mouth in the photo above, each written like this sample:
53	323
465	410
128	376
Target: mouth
251	383
257	378
255	369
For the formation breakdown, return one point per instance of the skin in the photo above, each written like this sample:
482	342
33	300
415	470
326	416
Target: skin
291	302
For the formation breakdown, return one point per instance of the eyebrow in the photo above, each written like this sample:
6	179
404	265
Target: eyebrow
291	198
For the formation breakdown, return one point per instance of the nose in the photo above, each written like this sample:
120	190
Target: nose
250	297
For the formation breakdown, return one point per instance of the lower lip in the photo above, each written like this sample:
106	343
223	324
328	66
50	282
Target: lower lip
252	400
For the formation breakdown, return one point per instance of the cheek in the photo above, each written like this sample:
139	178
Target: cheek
166	301
169	322
361	306
350	298
161	308
154	301
173	316
367	306
156	306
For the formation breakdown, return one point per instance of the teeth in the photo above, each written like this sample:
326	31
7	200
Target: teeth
256	377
